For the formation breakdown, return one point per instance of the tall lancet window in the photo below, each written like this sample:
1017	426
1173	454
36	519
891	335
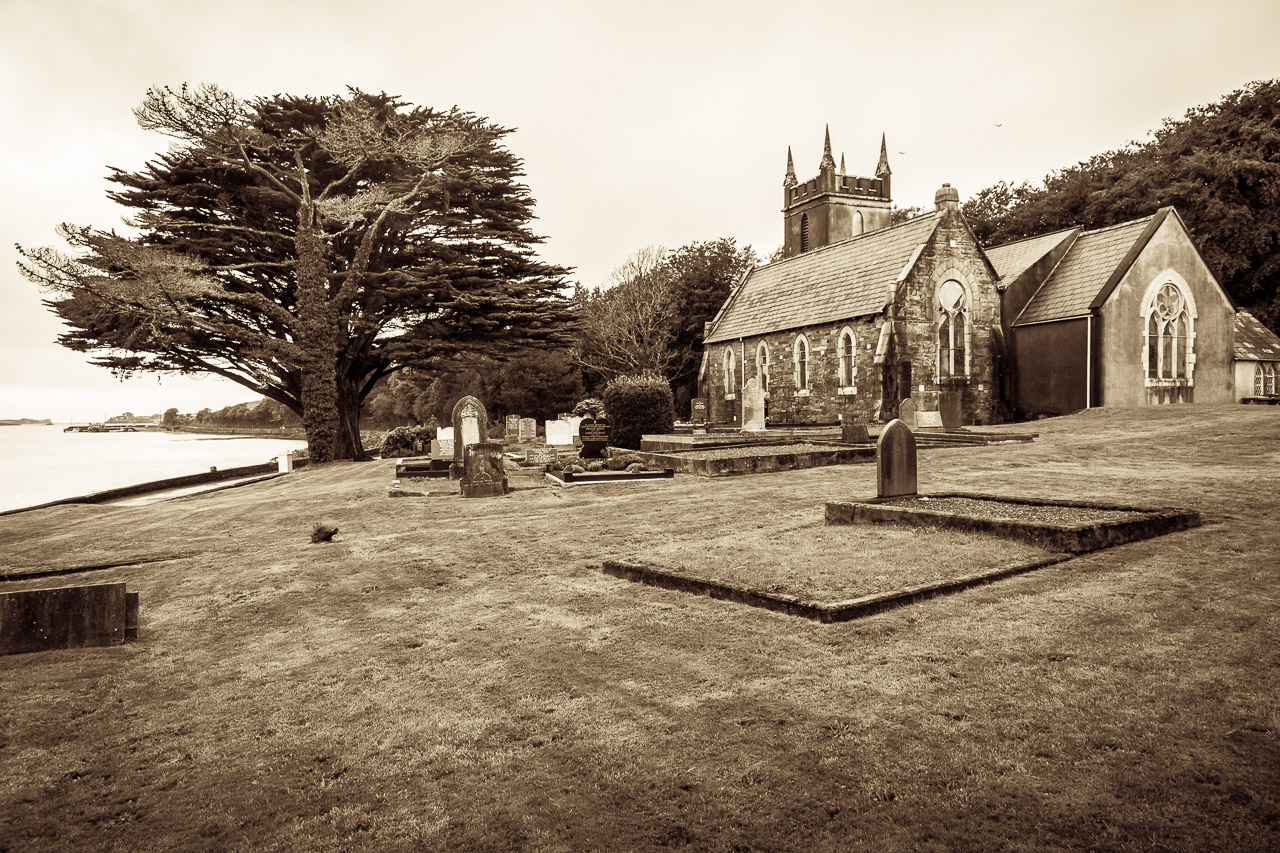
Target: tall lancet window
762	366
800	354
730	373
953	331
804	232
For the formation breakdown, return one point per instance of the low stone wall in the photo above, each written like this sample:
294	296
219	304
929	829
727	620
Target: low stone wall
758	463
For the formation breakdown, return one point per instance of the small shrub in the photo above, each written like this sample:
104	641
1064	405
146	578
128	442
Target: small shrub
637	405
323	532
400	441
588	408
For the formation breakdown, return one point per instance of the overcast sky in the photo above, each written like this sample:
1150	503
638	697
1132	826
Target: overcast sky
655	123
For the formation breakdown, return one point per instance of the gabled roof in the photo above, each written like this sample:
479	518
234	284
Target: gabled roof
1012	259
847	279
1254	341
1090	271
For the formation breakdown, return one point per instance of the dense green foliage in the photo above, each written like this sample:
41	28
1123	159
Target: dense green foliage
406	441
636	406
306	248
1219	166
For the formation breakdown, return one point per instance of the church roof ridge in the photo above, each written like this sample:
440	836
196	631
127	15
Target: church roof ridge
1031	237
915	220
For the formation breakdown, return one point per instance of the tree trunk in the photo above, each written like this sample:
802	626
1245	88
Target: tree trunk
318	339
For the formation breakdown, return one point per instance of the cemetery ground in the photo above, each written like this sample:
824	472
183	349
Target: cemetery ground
459	674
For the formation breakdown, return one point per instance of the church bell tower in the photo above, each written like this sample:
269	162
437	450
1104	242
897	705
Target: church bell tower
833	206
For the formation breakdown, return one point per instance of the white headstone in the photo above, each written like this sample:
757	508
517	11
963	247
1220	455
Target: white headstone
929	419
559	433
753	405
444	433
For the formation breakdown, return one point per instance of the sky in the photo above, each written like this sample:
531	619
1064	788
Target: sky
639	124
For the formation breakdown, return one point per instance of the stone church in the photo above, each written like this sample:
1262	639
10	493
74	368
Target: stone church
860	314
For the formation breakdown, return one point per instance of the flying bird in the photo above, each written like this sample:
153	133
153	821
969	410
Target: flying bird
1000	124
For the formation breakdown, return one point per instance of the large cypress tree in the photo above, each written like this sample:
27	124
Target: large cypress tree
306	248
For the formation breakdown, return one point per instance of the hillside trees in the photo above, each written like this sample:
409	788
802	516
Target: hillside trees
306	248
1219	166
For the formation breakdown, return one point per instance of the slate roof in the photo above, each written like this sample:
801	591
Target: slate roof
847	279
1254	341
1080	277
1012	259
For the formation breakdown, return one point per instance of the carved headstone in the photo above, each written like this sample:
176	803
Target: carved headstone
511	428
698	410
470	426
896	461
559	433
753	405
907	412
528	431
483	475
595	437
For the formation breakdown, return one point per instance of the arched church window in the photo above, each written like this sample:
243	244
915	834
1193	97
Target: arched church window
804	232
801	358
952	330
858	226
1273	376
1259	380
847	350
730	372
762	366
1168	338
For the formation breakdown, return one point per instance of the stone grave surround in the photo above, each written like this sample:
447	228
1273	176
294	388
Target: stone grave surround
896	461
470	426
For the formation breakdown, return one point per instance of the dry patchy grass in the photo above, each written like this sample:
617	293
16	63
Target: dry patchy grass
458	675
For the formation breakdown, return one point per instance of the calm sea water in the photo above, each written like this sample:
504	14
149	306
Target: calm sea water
43	463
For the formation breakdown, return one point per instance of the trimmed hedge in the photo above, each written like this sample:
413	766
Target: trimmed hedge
636	406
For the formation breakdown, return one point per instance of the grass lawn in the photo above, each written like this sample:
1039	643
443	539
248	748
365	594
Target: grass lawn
455	674
801	556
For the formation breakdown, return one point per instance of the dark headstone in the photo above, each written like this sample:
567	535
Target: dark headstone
470	426
483	474
949	405
896	461
852	431
511	428
595	437
66	617
698	410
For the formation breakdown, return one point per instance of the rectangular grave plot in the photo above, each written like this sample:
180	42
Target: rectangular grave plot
1058	525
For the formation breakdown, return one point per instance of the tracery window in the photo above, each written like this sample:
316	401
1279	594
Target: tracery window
730	373
1168	341
952	331
762	366
1273	377
847	349
801	359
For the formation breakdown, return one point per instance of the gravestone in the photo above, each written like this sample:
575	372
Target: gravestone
528	431
896	461
595	437
67	617
511	430
541	454
752	406
907	412
483	475
442	449
470	426
950	408
853	432
928	419
698	410
444	433
574	422
559	433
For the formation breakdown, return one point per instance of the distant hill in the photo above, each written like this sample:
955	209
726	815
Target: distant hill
23	421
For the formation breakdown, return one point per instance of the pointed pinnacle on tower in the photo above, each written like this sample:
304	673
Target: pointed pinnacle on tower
882	168
828	162
842	171
790	179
